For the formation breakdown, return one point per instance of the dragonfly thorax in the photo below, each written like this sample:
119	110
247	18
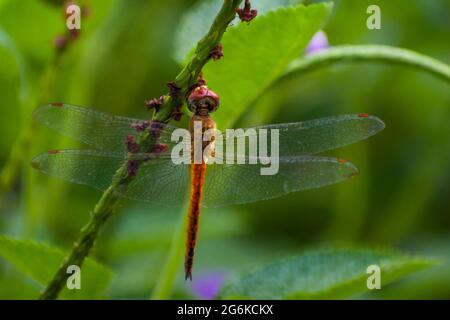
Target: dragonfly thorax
203	137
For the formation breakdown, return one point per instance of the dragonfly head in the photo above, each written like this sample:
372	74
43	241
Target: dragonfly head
203	101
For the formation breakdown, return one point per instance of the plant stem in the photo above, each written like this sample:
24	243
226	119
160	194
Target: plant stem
173	261
101	213
370	53
187	78
190	73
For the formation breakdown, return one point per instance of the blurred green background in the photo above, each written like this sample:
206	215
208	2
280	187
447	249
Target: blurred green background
124	55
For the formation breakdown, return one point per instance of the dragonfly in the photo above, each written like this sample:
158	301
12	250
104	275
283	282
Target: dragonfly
156	178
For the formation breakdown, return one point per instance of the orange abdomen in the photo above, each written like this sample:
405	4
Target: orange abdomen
197	179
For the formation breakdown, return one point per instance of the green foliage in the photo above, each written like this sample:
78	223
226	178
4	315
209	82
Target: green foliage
195	22
322	274
256	54
39	262
122	58
17	66
39	24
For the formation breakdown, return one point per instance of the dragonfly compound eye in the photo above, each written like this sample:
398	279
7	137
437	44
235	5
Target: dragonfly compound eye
203	100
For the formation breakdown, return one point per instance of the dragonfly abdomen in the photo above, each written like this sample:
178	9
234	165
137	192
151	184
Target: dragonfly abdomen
198	178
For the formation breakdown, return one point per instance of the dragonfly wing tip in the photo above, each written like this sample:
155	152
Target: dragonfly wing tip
348	169
377	124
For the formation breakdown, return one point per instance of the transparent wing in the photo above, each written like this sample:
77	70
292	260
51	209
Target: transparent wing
312	137
158	180
87	167
229	184
163	182
97	129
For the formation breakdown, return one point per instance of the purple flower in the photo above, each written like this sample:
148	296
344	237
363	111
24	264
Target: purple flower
60	42
174	89
155	103
132	145
217	52
132	168
207	285
247	14
160	148
140	126
156	128
318	43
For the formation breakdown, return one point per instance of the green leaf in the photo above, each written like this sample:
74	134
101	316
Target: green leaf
256	54
198	19
40	262
322	274
14	286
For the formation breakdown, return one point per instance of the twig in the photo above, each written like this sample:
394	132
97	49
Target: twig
105	207
370	53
